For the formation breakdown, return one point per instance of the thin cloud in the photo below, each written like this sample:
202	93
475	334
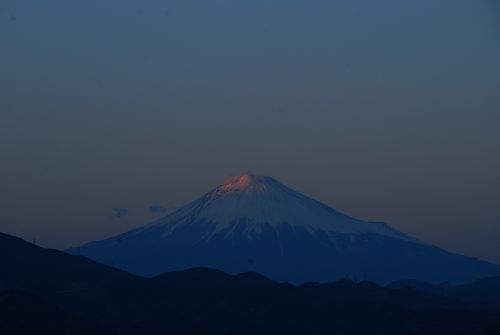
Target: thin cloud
157	209
120	212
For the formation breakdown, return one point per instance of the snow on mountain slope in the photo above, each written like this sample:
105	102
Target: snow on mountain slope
261	201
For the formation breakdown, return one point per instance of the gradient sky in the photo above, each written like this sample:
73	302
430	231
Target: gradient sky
386	110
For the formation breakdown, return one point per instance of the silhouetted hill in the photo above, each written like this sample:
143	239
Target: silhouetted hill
24	313
484	292
59	291
420	285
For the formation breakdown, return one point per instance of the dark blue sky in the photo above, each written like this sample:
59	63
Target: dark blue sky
386	110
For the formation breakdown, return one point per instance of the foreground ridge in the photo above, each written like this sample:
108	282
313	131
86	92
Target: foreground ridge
46	291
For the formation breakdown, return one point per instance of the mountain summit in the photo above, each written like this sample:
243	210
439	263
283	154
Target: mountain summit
253	204
255	223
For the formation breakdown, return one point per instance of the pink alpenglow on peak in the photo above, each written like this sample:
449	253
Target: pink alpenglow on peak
243	182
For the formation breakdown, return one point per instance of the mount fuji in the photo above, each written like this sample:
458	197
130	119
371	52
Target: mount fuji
255	223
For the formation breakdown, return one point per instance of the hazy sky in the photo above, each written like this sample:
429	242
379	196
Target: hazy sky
386	110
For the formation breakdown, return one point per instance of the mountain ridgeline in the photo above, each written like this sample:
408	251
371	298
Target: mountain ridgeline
45	291
255	223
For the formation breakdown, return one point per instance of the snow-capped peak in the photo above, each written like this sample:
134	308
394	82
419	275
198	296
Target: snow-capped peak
260	201
257	223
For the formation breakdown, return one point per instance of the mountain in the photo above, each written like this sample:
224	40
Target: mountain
58	291
255	223
46	291
25	313
484	291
